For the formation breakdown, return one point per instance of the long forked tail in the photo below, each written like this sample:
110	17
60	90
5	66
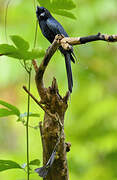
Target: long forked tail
69	71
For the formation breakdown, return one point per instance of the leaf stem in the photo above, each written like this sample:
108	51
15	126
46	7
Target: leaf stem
27	124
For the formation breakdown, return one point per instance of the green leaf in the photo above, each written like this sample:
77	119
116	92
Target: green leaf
34	115
7	49
36	53
11	51
55	4
64	13
20	42
8	164
66	4
20	54
10	107
5	112
59	7
35	162
45	3
21	50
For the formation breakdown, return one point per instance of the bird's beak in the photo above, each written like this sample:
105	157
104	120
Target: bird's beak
42	14
39	11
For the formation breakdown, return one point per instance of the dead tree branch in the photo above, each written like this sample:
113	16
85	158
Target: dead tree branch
55	106
67	41
51	128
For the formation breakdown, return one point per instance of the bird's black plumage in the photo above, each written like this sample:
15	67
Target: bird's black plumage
50	27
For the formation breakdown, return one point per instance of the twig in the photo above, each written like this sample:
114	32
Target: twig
67	41
46	111
35	65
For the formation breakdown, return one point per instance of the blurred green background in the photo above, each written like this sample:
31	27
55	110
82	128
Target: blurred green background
91	119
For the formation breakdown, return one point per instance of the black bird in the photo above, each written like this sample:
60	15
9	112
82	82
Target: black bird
50	27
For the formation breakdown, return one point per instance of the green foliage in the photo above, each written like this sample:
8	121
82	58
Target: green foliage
64	13
11	110
35	162
20	42
66	4
36	53
5	112
59	7
8	164
7	49
21	50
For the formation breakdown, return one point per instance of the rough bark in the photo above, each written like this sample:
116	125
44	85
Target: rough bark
51	131
52	128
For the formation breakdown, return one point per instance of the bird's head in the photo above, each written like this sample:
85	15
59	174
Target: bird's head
42	13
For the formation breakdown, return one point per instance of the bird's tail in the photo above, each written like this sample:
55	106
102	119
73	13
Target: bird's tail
69	71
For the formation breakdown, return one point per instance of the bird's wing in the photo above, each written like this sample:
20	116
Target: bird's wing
55	27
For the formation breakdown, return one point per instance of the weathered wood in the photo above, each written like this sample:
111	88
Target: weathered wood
51	130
